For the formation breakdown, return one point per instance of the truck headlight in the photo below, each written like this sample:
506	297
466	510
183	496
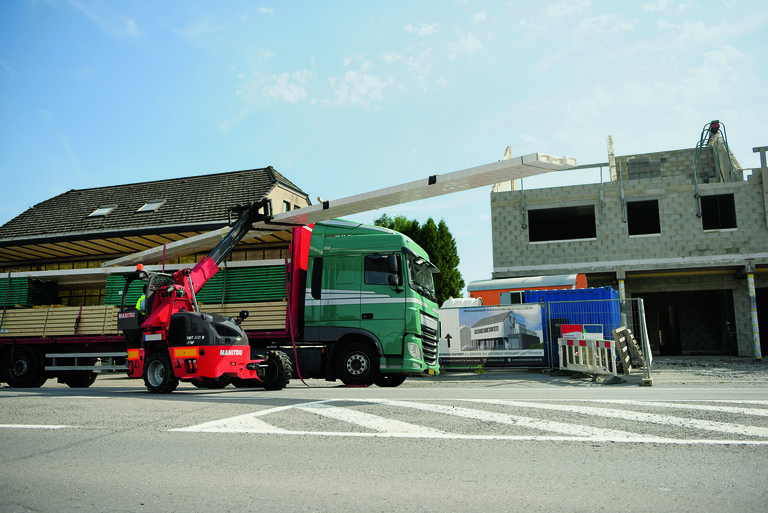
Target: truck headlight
414	350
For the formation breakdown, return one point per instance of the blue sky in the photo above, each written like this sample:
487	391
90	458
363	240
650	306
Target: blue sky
345	97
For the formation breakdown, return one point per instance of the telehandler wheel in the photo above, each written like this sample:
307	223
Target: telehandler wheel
158	374
358	364
23	368
390	380
279	370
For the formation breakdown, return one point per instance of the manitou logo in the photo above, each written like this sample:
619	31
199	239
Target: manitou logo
231	352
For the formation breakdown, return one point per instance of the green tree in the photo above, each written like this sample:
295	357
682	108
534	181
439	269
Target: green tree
438	242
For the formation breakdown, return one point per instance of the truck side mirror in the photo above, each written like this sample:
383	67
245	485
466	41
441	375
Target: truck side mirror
394	280
393	263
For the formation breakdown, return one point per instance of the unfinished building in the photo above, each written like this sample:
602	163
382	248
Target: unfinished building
685	230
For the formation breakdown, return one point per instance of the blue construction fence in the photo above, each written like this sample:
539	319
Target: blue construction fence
597	309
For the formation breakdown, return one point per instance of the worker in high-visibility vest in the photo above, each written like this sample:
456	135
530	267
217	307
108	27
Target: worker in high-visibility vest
142	299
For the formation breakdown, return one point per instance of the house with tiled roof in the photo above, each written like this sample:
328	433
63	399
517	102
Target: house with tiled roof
55	249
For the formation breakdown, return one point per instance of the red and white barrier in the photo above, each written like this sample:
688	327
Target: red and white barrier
587	355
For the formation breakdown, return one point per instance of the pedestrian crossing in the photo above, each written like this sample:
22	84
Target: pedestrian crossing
622	421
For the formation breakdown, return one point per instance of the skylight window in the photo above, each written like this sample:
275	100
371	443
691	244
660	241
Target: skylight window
151	206
102	211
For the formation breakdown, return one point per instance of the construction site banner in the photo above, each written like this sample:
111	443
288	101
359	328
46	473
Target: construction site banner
491	336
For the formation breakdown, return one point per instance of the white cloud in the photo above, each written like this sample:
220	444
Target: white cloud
565	9
692	33
425	29
390	57
111	23
605	23
479	16
467	45
658	5
289	87
359	87
265	10
421	67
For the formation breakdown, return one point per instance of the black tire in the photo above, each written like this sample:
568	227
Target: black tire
358	365
158	374
80	379
23	368
212	384
390	380
279	370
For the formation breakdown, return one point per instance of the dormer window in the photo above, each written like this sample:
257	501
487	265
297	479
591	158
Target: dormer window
151	206
102	211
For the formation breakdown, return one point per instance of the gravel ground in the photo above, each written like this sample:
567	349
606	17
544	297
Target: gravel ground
720	369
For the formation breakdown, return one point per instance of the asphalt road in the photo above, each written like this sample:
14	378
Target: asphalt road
510	441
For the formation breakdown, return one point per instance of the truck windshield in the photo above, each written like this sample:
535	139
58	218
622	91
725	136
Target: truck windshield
420	272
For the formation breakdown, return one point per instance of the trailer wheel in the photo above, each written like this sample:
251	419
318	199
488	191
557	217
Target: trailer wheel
358	365
279	370
390	380
81	379
158	374
23	368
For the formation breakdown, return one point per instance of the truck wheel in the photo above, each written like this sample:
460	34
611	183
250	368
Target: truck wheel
158	374
23	368
82	379
358	365
390	380
279	370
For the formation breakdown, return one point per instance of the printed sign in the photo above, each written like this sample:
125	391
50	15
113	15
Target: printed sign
491	336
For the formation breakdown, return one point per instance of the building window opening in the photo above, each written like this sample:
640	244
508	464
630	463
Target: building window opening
643	217
564	223
718	212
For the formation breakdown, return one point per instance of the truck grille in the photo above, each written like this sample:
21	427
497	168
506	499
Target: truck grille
429	340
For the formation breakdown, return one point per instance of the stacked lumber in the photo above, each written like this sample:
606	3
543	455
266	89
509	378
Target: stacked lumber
60	321
64	321
268	315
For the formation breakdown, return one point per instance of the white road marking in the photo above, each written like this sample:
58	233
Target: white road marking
369	421
760	412
653	418
383	427
34	426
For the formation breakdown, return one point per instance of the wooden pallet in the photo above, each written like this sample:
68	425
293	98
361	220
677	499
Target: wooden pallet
629	351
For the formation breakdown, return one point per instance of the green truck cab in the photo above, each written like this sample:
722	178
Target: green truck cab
370	299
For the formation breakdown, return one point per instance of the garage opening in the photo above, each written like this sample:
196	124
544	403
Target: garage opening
699	322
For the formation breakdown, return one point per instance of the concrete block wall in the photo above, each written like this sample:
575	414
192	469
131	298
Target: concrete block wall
681	237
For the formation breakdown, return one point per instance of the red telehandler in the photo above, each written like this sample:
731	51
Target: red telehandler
170	340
